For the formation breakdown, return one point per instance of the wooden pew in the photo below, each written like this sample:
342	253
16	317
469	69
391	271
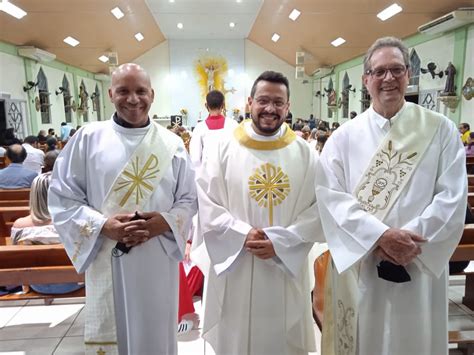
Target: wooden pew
8	215
13	203
14	194
37	264
469	163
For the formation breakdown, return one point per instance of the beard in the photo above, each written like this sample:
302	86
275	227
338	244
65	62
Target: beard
261	123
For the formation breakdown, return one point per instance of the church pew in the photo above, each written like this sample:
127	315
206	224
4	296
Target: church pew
464	339
8	215
469	162
13	203
470	198
470	180
37	264
14	194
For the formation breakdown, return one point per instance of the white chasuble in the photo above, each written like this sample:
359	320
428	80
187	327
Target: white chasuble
375	174
255	306
107	169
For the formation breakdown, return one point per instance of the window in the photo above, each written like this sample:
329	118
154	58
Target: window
43	92
67	100
415	68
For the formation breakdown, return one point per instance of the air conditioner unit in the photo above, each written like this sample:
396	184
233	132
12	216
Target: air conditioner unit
113	58
299	58
299	73
449	21
36	54
321	72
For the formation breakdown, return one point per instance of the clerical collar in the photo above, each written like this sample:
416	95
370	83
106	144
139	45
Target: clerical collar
246	136
385	122
121	122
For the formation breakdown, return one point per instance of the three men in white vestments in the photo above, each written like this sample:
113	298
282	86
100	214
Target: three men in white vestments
258	220
391	189
121	198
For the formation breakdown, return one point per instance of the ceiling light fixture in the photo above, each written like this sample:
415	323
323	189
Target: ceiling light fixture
338	41
117	13
275	37
171	0
180	25
294	14
239	0
11	9
71	41
390	11
104	59
139	37
232	25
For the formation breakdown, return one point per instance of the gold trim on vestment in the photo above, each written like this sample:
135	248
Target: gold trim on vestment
241	135
269	186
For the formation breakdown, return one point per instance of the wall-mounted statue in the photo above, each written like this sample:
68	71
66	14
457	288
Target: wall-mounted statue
331	97
450	87
468	89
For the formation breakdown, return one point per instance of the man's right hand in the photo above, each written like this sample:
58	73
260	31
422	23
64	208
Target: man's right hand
400	246
114	228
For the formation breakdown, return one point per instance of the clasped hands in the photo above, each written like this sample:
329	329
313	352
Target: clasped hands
399	246
123	229
259	245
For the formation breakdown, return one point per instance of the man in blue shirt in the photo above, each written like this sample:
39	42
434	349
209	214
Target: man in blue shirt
15	175
65	130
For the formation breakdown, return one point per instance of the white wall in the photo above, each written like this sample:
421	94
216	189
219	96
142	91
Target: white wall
12	76
257	60
157	63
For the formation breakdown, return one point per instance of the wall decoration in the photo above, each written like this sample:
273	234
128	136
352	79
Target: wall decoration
468	89
211	71
429	99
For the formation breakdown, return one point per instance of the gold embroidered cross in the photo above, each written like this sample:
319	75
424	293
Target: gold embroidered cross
269	186
136	180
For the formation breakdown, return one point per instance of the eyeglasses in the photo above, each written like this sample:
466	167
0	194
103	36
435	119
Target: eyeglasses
265	102
381	73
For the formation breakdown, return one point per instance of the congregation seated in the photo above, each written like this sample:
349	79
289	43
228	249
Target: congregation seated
37	228
49	159
9	137
15	175
42	136
52	143
34	156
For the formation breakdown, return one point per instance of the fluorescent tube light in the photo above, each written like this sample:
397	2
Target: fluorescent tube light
338	41
117	13
294	14
390	11
71	41
275	37
11	9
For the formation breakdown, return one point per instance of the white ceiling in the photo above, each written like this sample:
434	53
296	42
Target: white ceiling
205	19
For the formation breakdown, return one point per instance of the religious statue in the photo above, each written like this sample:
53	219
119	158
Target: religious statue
210	71
83	99
331	97
450	87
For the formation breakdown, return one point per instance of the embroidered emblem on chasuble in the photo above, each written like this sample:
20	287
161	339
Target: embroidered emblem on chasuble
86	229
133	183
269	186
384	177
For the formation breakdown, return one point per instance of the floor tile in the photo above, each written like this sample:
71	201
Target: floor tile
33	322
70	346
455	309
29	346
7	313
13	303
77	327
465	322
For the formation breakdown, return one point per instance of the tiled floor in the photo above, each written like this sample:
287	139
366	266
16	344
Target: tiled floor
30	327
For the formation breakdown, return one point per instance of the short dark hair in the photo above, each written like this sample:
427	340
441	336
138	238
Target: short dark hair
63	124
16	153
273	77
50	130
31	139
466	126
215	99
